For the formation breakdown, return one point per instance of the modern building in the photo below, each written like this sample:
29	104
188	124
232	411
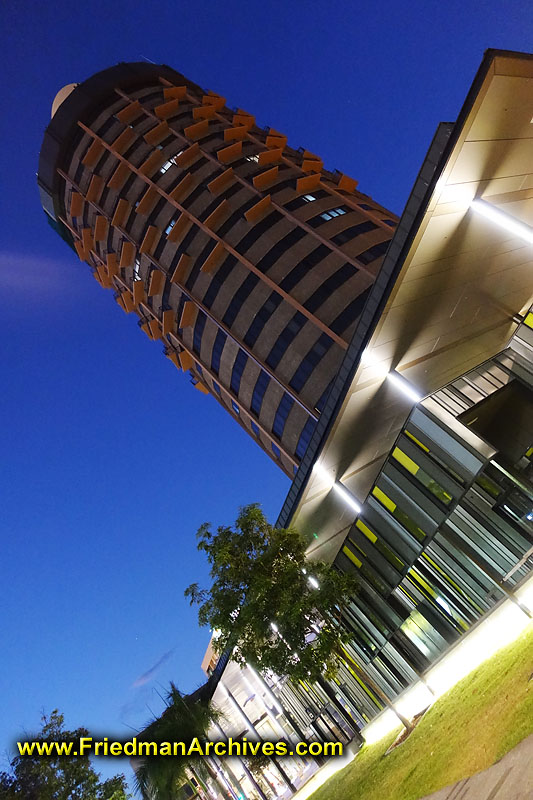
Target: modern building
416	470
249	260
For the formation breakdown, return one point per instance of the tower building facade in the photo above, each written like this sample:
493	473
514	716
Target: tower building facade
246	258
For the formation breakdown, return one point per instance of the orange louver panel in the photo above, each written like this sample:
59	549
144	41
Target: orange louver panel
230	153
112	266
182	269
157	134
93	154
186	360
188	155
188	315
175	92
139	295
95	189
103	277
118	178
157	282
232	134
149	239
275	139
155	329
180	229
201	387
173	356
347	183
146	328
213	99
120	301
100	229
121	213
257	212
80	250
270	156
215	218
76	205
204	112
308	183
221	182
166	110
127	299
265	178
168	321
197	130
312	164
243	118
152	163
183	188
124	140
87	239
129	112
213	259
127	254
148	201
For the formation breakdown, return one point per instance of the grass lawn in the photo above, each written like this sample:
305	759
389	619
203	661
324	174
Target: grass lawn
468	729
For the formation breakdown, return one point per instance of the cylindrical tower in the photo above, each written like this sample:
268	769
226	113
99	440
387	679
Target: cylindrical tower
245	257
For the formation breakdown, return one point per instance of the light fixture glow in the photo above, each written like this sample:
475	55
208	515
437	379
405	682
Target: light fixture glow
274	627
502	219
404	386
324	474
347	497
313	582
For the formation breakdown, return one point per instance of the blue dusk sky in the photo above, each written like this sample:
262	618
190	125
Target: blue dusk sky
110	458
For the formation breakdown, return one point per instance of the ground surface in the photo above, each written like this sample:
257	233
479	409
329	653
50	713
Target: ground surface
470	728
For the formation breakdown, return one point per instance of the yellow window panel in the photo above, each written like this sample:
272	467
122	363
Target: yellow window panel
188	315
265	179
157	283
186	360
382	497
230	153
168	321
353	558
366	530
139	295
157	134
149	240
221	182
76	204
528	320
100	229
410	465
130	112
175	92
182	269
258	212
416	441
93	154
124	141
127	254
198	130
347	183
168	109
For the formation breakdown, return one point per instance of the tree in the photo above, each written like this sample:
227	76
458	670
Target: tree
271	606
58	777
185	717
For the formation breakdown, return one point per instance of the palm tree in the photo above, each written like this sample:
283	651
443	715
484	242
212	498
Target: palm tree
184	718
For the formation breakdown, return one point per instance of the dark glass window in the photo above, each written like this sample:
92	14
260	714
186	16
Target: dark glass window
199	326
199	370
305	437
390	223
365	206
286	336
106	126
255	427
373	252
323	397
260	388
297	273
261	318
218	279
285	405
355	230
275	252
238	368
236	216
218	347
309	362
276	450
315	222
350	313
298	202
238	299
258	230
235	407
333	283
216	387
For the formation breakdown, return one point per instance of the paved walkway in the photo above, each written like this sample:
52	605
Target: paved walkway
508	779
